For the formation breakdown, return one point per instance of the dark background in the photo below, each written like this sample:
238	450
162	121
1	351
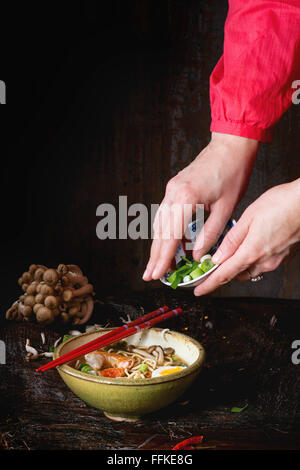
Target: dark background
107	99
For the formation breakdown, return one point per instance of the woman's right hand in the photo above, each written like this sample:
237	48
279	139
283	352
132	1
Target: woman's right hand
217	178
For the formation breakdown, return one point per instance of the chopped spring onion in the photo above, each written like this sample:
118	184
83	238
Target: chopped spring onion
188	269
87	369
206	265
143	368
204	258
196	273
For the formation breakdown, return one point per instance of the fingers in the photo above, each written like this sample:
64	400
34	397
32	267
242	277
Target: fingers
154	253
168	227
232	241
211	231
264	266
238	263
166	254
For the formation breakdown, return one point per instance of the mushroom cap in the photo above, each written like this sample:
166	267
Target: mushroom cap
44	315
51	301
51	277
32	268
56	312
46	290
62	269
27	311
161	358
31	289
39	298
29	300
169	351
64	317
27	278
36	307
39	273
67	294
73	311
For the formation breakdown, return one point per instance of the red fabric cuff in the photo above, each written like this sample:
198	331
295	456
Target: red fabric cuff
242	130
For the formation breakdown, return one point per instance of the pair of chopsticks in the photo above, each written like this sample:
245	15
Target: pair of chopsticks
131	328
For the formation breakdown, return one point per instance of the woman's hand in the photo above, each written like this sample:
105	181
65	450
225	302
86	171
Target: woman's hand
260	240
217	178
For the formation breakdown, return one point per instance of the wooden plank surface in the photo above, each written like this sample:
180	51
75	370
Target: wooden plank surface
122	104
248	344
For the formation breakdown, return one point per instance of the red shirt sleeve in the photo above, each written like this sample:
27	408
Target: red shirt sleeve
251	85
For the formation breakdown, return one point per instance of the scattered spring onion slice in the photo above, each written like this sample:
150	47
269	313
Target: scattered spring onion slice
66	338
188	269
235	409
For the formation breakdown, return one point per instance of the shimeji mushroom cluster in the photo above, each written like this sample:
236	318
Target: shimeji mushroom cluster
63	293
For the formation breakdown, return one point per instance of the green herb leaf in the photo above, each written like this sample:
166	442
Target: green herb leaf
51	349
143	368
187	260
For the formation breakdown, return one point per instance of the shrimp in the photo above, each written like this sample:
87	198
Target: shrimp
104	360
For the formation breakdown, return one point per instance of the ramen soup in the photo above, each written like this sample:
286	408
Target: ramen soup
133	362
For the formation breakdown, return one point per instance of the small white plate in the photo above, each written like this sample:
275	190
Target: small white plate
194	230
193	282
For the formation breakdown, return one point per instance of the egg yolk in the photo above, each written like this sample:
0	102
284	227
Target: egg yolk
171	371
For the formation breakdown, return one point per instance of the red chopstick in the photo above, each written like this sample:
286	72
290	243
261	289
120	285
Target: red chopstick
100	342
95	343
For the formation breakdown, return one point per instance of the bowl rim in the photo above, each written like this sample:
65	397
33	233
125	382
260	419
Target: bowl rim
189	283
124	381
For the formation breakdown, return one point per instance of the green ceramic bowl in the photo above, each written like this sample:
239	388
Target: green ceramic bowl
129	399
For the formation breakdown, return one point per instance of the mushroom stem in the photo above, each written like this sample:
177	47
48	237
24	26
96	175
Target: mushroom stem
89	310
85	290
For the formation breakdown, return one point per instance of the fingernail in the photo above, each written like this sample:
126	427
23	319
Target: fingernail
145	274
217	257
156	274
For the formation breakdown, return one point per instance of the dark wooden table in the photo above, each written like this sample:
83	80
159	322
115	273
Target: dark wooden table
248	344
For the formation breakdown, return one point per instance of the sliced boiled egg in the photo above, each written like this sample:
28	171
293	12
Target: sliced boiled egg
166	370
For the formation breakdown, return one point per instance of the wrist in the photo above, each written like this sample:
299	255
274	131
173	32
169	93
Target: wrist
234	142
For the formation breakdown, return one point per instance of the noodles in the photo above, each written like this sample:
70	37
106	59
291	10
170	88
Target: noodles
132	362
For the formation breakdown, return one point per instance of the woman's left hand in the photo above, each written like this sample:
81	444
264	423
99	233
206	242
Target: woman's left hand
260	240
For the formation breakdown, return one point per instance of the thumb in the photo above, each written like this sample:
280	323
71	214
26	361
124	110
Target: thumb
211	231
231	242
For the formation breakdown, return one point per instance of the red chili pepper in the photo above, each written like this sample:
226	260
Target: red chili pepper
187	443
